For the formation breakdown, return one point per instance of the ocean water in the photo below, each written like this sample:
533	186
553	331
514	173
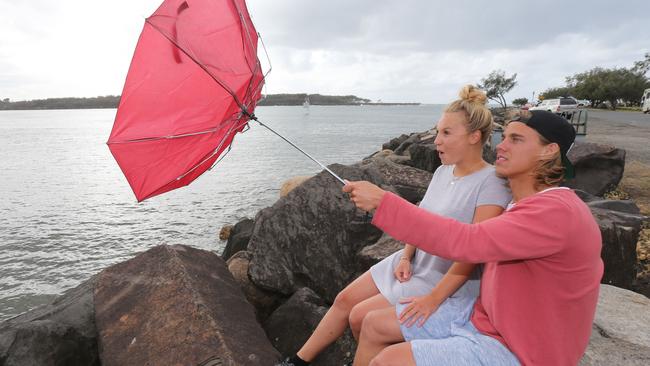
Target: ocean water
66	210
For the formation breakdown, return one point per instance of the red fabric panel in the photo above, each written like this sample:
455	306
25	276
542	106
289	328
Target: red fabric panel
191	55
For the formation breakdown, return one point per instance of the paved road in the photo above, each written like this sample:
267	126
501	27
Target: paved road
627	130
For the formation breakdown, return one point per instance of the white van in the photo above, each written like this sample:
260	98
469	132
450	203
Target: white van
645	101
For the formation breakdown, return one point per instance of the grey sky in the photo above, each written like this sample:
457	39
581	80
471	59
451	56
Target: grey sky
391	50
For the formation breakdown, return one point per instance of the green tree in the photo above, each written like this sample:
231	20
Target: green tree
520	101
598	85
496	85
552	93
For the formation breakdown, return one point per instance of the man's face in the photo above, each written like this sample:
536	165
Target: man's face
519	151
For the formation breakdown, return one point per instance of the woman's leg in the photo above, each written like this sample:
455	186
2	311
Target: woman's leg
333	324
399	354
380	329
360	310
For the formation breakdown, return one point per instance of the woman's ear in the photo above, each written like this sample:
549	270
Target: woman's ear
475	137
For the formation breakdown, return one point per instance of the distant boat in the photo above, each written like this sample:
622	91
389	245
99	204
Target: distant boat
305	104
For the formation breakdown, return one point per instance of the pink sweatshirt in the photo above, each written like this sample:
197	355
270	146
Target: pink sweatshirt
542	269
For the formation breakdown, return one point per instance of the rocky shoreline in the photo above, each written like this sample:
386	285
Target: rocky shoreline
281	270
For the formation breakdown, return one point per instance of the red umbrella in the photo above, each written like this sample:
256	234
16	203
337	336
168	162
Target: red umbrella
193	84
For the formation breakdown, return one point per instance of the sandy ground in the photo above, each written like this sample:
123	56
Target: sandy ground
630	131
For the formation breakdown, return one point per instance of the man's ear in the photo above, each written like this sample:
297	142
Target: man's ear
550	149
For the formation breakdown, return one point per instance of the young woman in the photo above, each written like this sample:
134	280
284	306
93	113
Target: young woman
465	188
541	279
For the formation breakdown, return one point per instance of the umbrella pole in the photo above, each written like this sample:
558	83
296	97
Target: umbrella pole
254	118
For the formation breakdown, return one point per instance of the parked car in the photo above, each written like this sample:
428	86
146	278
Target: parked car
645	101
564	106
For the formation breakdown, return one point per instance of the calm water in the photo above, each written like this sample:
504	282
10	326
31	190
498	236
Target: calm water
66	211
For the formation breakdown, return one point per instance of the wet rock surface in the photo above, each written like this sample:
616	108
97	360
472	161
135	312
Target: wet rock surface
58	334
309	237
176	305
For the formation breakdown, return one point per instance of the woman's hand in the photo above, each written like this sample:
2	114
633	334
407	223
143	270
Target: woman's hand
403	270
419	309
365	195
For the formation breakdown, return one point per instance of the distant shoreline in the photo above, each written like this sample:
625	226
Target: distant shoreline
112	101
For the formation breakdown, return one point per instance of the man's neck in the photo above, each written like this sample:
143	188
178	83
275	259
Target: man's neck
524	186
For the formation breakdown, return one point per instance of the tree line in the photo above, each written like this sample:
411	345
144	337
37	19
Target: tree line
112	101
598	85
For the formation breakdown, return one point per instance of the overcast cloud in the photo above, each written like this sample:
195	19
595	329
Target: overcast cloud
391	50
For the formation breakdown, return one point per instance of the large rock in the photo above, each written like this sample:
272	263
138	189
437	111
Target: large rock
59	334
238	239
373	254
263	301
310	237
292	323
599	168
394	143
424	156
620	334
620	233
410	183
176	305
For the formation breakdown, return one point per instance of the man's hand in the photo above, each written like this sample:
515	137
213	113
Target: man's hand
365	195
419	309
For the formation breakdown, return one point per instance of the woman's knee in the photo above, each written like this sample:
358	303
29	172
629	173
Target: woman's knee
344	300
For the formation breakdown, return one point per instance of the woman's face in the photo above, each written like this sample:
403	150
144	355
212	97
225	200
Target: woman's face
519	151
452	141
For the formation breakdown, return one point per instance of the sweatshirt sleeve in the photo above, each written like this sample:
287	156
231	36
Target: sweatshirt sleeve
534	228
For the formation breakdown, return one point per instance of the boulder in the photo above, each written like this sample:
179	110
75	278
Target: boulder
625	206
58	334
224	233
373	254
410	183
264	302
394	143
424	156
598	168
309	238
414	138
176	305
620	333
292	323
292	183
238	239
620	233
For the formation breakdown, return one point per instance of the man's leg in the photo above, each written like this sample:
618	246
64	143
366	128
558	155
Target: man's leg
380	329
360	310
399	354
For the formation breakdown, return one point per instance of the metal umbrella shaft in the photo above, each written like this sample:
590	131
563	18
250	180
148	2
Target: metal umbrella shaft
254	118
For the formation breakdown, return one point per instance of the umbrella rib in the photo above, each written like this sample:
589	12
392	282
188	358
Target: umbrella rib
145	139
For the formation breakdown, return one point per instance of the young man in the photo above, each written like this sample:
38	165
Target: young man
542	260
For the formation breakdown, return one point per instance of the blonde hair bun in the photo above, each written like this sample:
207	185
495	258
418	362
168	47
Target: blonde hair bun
472	94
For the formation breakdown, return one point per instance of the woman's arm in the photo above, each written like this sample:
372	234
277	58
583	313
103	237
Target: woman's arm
459	272
422	307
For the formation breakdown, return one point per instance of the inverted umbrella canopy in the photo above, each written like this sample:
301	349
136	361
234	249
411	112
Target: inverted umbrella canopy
193	84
